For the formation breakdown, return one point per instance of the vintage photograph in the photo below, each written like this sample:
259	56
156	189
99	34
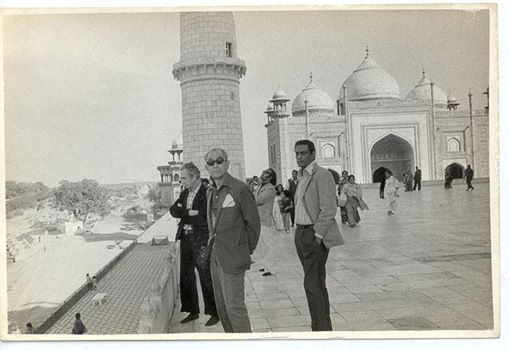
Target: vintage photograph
214	173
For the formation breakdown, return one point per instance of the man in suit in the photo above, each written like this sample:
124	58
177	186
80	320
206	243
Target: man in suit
317	230
193	233
234	225
291	186
417	178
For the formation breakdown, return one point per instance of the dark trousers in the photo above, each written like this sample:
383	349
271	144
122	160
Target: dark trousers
292	215
229	293
469	184
417	184
313	258
188	290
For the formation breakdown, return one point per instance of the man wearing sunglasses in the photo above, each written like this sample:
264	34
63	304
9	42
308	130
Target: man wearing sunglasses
234	226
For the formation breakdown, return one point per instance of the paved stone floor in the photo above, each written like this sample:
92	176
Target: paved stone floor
126	285
426	268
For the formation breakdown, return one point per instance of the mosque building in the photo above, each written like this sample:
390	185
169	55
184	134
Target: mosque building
371	128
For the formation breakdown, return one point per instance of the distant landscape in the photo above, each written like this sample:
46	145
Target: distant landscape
57	235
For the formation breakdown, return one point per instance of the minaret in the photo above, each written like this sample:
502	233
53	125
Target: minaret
209	73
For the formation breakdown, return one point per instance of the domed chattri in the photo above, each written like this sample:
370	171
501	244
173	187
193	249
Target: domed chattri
317	100
370	82
422	92
279	96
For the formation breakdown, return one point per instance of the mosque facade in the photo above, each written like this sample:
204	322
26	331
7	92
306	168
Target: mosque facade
370	128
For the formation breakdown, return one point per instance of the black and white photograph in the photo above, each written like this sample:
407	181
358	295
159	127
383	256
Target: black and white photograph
245	173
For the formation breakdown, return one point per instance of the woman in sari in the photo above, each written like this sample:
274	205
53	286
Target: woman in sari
391	192
342	182
276	209
353	193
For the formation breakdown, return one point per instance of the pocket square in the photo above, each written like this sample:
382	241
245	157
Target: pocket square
228	202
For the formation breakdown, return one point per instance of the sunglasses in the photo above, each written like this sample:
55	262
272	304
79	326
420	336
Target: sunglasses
219	161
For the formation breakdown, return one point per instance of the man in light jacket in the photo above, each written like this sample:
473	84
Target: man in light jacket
317	230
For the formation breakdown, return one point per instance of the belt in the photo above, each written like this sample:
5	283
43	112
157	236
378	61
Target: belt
304	226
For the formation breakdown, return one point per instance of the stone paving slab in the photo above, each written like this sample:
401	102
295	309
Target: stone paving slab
426	268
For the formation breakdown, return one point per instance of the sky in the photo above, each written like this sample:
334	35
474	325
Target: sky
93	96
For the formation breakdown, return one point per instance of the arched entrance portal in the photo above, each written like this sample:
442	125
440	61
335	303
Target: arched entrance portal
394	153
379	174
456	170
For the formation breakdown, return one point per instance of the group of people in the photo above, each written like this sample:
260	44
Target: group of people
469	176
221	227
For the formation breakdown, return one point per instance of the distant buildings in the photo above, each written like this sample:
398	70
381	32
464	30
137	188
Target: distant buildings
371	128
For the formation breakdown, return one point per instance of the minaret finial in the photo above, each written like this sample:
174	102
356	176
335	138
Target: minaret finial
311	77
367	51
423	73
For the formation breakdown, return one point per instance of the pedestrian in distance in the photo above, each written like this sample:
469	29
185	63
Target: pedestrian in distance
417	178
78	327
391	192
469	176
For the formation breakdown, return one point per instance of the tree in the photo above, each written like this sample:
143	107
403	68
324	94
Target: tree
154	195
82	198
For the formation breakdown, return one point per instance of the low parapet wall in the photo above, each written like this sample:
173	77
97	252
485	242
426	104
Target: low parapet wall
158	307
80	292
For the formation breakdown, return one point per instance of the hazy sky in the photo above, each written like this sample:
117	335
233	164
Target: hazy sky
92	95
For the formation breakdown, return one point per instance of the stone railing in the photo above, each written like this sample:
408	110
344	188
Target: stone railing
156	311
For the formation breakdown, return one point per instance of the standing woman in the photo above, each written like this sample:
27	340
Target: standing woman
342	182
391	191
265	196
353	192
276	210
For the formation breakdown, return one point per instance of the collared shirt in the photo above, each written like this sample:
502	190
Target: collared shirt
190	197
215	192
301	215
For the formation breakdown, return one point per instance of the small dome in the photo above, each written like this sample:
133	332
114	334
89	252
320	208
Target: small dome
370	82
279	94
451	99
178	143
316	98
269	108
422	92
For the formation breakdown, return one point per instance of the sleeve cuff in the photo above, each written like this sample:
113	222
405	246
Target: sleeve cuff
319	236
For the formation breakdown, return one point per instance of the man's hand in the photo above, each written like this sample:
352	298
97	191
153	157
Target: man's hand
193	212
318	240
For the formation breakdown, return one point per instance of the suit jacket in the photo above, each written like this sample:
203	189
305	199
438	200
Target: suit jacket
199	222
265	202
321	206
236	230
417	175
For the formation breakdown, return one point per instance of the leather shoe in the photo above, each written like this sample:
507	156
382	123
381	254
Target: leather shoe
212	321
190	317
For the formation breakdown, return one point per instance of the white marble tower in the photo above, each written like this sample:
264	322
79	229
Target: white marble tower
209	73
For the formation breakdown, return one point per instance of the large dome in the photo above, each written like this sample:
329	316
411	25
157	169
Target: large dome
317	100
422	92
370	82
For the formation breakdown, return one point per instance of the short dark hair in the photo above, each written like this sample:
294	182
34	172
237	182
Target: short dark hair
310	144
287	193
294	171
78	315
273	176
29	325
351	176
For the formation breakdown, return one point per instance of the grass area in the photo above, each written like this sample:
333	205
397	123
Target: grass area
36	315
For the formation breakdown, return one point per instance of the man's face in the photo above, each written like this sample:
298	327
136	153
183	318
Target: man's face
187	179
303	156
216	164
265	177
294	175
